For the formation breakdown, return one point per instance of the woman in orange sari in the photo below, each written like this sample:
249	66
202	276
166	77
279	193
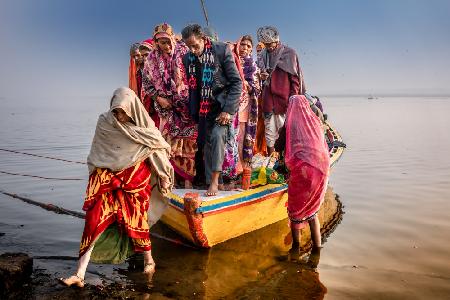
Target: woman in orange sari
126	151
308	161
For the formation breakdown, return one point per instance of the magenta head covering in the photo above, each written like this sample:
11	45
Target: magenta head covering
305	139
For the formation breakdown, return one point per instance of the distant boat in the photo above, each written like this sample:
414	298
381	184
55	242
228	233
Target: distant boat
207	221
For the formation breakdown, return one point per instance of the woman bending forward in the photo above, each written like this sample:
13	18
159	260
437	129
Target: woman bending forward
126	151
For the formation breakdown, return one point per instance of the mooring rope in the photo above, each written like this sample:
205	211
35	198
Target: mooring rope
40	177
61	210
43	156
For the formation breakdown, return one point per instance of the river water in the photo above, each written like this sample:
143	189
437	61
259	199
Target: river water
393	181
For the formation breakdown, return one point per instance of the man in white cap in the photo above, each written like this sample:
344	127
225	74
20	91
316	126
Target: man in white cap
282	76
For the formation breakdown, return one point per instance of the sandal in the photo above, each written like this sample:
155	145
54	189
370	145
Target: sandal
73	280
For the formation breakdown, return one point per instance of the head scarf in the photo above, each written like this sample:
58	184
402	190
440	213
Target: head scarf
268	34
165	76
284	58
117	146
149	43
305	139
132	69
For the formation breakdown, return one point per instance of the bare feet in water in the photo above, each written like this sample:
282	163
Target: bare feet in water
149	268
73	280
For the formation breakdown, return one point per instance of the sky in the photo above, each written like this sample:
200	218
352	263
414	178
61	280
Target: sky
65	48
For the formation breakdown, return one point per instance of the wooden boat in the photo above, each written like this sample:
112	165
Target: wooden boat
207	221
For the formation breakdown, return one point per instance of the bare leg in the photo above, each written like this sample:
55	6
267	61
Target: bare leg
214	185
296	236
149	263
187	184
78	278
316	238
295	248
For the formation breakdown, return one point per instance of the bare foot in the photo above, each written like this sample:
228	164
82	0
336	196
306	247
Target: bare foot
187	184
149	268
73	280
212	190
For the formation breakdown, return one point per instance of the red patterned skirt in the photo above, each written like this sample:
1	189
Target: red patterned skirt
118	197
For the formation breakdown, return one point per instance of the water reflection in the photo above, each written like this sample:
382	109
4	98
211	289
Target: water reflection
249	266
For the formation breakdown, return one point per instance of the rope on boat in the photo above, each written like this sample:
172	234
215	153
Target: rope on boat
46	206
61	210
40	177
205	12
43	156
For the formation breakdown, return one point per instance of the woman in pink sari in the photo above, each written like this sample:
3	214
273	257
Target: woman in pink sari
165	84
308	161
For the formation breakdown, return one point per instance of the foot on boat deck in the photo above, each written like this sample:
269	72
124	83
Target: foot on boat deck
213	190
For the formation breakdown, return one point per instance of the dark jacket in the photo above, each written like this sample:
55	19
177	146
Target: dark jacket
227	84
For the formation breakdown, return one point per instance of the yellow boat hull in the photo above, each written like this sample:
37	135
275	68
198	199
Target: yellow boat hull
207	222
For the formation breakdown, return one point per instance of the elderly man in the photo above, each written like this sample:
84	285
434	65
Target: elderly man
282	77
215	88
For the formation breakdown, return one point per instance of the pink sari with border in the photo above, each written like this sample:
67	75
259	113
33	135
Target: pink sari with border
307	159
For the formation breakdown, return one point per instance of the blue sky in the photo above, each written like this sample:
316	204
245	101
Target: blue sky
80	48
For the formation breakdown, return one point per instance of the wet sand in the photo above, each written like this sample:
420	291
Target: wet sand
392	243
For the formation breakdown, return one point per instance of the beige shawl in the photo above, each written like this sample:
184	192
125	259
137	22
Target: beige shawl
117	145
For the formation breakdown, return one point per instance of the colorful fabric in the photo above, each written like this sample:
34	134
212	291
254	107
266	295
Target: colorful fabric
120	198
149	43
260	145
183	156
306	191
117	146
166	77
163	30
306	142
231	155
208	67
132	69
263	176
250	76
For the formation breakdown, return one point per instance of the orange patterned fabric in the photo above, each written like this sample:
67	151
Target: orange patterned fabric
122	197
183	156
132	80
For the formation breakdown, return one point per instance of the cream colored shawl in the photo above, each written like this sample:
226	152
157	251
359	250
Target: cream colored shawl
117	146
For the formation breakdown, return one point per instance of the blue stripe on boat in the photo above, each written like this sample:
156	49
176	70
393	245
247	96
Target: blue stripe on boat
233	201
241	199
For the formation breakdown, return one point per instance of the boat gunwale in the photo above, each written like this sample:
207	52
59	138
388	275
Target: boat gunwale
250	196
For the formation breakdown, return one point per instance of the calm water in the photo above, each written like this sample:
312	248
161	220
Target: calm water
393	179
